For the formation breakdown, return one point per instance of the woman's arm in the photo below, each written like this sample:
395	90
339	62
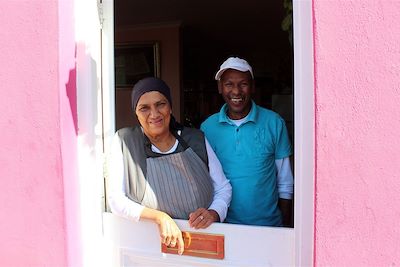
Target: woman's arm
222	187
218	209
121	205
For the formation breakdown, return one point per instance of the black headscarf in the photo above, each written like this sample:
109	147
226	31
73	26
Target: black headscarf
148	85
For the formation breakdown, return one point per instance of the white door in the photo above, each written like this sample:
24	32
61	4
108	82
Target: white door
138	244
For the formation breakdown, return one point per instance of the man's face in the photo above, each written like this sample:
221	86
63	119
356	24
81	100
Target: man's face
236	88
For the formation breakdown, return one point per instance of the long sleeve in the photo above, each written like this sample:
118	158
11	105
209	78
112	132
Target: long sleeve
119	203
284	178
222	187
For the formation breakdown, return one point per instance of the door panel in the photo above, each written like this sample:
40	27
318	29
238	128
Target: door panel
138	244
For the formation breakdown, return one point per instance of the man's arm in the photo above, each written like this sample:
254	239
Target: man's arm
285	189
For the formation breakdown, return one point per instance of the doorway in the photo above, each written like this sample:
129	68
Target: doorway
302	237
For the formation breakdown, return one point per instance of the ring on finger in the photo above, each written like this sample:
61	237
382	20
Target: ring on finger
201	217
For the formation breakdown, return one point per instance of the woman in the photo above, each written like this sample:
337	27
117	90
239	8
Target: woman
162	170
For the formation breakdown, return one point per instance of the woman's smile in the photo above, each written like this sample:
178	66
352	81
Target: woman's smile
156	122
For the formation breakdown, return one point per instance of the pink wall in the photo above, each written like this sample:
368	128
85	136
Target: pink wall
37	122
69	129
357	72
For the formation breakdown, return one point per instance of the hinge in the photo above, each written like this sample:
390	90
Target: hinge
100	13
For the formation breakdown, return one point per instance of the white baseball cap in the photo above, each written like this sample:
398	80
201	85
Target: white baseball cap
236	64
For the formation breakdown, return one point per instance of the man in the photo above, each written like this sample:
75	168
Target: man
253	146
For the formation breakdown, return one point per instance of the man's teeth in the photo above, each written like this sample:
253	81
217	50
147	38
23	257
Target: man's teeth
236	100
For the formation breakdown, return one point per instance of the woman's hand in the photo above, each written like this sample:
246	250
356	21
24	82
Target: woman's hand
170	234
202	218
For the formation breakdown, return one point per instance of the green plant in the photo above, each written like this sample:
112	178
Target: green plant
287	22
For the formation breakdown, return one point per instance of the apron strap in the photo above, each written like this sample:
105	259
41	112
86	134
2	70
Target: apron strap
181	140
151	154
198	145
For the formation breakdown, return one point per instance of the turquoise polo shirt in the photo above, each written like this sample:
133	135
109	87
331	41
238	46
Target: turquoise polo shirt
247	154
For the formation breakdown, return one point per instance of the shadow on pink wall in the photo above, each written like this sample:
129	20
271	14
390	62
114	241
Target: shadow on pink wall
81	98
69	150
70	88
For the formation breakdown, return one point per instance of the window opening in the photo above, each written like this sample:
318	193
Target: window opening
203	37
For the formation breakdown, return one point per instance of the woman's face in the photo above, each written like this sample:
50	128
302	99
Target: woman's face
154	113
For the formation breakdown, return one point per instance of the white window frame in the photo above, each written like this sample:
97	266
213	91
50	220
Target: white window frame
303	113
304	118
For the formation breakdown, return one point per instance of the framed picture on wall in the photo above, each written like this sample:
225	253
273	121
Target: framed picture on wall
135	61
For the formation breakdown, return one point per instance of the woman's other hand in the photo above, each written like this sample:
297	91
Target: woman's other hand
202	218
170	234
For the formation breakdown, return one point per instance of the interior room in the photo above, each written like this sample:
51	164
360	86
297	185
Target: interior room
185	42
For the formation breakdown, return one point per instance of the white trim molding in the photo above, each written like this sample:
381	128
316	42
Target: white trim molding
304	117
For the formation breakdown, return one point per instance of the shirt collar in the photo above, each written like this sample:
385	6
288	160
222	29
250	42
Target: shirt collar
252	116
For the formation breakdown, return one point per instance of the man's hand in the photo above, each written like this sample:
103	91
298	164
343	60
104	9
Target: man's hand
202	218
285	205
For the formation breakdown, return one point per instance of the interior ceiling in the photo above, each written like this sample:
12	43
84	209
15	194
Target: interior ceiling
216	17
215	29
